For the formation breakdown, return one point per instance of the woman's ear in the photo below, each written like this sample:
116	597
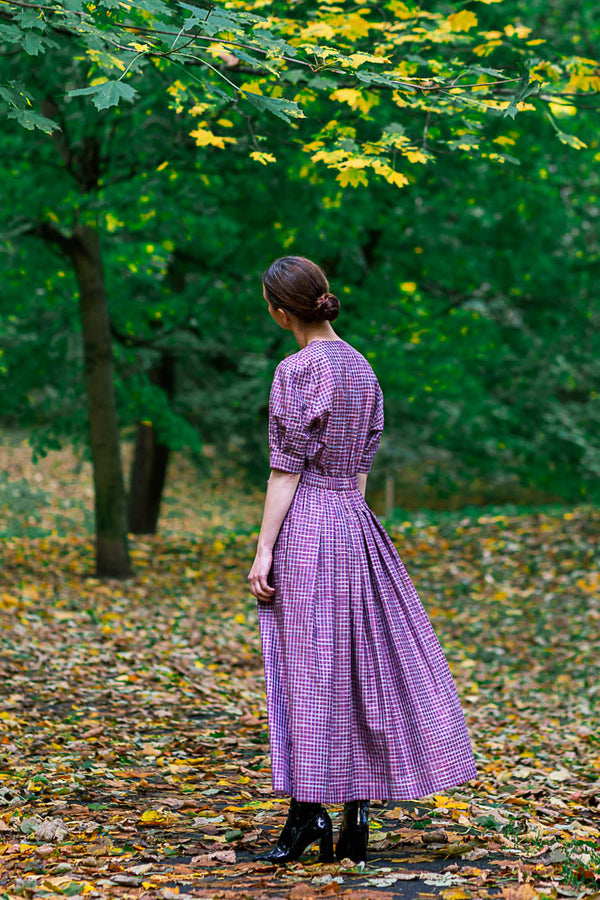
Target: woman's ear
283	318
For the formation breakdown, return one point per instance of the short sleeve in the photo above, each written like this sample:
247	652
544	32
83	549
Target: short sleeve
373	435
288	433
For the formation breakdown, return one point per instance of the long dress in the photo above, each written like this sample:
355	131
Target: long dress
360	699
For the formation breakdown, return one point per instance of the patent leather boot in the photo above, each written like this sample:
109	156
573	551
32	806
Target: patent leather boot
306	823
354	831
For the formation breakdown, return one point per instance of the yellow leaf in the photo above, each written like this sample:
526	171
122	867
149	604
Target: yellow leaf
352	177
117	63
112	222
485	49
355	99
498	104
588	587
399	98
462	21
443	802
252	87
204	137
560	110
218	546
318	30
396	178
315	145
455	893
571	140
355	26
263	158
358	59
331	157
240	618
401	9
198	109
521	31
583	79
154	816
176	88
415	156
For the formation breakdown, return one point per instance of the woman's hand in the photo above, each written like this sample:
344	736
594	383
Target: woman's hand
257	577
280	493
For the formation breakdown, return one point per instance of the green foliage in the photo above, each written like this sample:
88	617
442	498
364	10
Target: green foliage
472	291
106	94
19	104
423	58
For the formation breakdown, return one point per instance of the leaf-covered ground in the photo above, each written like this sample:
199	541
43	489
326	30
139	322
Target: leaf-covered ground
133	736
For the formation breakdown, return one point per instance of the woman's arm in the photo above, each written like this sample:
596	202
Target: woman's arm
280	492
362	482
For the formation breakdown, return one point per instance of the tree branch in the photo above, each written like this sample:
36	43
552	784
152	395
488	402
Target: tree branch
51	235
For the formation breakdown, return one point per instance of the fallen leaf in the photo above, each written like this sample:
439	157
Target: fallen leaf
524	891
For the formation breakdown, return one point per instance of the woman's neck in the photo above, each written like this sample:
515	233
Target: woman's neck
304	334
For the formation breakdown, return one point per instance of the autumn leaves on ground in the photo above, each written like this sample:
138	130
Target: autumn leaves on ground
133	736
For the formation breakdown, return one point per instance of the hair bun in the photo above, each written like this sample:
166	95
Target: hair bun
328	306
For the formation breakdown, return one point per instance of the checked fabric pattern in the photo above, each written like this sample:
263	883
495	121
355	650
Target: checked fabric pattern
361	702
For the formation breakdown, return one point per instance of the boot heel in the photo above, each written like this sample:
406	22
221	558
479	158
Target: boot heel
306	823
354	832
357	849
326	846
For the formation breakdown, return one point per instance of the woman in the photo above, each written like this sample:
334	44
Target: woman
361	702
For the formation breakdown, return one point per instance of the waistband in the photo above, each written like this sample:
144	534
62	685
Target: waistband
329	482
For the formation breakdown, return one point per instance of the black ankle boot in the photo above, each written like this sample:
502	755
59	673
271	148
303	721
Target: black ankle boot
306	823
354	831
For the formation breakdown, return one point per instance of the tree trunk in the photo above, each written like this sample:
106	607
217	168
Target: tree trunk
112	555
149	466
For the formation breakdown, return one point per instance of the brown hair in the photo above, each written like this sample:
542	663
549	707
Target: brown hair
299	286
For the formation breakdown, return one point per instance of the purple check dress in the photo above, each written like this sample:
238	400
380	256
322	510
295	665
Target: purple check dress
361	702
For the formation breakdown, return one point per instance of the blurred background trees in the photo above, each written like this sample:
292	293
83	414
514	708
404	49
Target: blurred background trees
462	242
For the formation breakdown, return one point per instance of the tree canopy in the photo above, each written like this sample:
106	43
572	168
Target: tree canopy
437	61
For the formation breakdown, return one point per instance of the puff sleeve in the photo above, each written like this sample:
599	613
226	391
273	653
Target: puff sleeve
374	433
288	431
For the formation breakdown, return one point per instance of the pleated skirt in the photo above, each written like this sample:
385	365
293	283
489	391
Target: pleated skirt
361	702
